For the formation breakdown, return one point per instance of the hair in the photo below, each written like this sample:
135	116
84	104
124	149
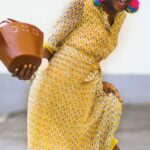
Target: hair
132	7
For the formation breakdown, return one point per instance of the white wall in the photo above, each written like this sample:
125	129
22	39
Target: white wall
132	53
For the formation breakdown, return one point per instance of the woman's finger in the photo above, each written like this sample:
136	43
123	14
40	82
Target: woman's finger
28	71
22	72
15	72
109	88
118	96
33	69
120	99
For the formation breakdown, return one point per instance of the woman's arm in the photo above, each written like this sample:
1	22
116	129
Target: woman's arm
46	54
65	24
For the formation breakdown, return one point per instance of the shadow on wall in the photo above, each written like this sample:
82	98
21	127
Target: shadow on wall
14	92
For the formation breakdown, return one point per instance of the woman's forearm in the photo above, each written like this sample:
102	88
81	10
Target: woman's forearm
46	53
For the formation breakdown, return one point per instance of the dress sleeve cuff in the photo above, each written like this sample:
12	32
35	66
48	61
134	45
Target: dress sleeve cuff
50	49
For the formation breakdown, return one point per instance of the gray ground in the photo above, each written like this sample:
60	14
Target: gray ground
133	133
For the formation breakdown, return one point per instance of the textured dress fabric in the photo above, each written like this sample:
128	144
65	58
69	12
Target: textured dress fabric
67	106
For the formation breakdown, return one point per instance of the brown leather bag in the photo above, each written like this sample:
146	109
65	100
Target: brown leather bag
20	43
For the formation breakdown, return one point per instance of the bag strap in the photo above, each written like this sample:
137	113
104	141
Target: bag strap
12	20
8	20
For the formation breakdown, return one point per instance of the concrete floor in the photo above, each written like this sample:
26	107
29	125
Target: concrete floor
133	133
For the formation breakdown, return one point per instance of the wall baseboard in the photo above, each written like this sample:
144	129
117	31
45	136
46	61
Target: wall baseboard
134	89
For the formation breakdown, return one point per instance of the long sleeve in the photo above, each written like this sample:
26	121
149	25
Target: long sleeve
65	24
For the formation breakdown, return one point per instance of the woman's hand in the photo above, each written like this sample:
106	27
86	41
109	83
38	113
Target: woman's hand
110	88
25	72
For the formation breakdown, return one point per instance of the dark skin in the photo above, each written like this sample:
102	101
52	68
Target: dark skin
108	7
111	7
29	69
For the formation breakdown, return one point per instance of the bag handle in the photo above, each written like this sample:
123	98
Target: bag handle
8	20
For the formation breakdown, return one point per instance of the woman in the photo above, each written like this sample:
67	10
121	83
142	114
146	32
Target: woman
69	105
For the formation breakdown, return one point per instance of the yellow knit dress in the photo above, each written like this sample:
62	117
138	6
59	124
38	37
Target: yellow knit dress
67	107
